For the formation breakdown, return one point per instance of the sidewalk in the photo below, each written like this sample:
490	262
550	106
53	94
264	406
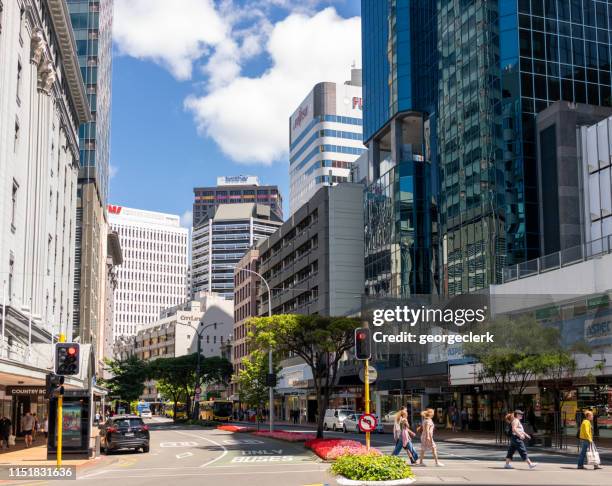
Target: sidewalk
473	438
20	455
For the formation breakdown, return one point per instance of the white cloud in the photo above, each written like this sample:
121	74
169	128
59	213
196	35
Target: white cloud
248	116
187	219
112	171
173	34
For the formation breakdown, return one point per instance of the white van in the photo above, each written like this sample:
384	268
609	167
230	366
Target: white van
334	418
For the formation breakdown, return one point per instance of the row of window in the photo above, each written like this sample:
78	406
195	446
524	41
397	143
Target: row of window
325	133
347	120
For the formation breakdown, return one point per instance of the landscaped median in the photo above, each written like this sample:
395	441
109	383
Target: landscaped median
332	449
236	428
286	436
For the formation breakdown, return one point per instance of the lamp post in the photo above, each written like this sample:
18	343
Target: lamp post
270	365
198	331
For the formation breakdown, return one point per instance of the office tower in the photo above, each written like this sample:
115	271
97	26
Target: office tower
92	26
153	275
314	262
219	243
325	138
492	66
234	190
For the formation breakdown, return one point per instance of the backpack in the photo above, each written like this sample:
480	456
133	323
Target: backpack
508	430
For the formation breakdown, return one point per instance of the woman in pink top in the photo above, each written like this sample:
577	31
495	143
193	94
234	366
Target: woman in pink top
427	440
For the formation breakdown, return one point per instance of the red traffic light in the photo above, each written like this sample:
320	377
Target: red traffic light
71	351
361	335
362	343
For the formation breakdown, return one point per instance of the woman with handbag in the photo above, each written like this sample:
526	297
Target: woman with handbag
587	446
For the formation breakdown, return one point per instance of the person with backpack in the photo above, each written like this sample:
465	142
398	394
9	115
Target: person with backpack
586	439
516	433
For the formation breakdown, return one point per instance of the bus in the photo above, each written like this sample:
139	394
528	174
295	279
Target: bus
181	410
220	410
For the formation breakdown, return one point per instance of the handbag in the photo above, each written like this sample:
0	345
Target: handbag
593	455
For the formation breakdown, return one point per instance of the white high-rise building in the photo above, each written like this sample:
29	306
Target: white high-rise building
42	103
153	276
325	138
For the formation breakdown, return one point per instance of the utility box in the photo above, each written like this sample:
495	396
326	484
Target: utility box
76	425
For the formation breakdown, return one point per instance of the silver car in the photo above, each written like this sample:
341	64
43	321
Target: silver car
334	418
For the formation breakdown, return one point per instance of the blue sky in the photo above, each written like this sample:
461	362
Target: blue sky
190	106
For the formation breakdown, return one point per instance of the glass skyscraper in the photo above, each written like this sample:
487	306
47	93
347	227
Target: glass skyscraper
480	71
92	25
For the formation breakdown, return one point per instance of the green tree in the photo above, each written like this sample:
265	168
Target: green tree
176	377
251	380
320	341
524	350
128	378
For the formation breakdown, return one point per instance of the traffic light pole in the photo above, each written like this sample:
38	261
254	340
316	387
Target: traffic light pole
366	378
60	420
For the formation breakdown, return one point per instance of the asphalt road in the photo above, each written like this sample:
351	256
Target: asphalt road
183	455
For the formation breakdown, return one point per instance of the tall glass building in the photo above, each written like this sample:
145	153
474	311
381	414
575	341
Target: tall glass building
92	25
479	71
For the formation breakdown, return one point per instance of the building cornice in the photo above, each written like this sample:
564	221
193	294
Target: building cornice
67	46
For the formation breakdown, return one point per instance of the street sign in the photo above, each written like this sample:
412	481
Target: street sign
367	422
197	396
372	374
198	390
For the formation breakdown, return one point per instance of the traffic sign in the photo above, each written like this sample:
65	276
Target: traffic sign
372	374
367	422
198	390
197	397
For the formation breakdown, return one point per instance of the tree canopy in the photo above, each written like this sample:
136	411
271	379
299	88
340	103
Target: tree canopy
128	378
320	341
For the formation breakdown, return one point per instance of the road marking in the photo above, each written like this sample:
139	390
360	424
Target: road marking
178	444
225	451
243	441
263	459
183	455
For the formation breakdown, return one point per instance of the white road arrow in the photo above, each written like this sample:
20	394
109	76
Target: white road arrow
184	455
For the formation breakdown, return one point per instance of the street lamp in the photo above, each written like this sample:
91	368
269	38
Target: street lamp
270	365
198	331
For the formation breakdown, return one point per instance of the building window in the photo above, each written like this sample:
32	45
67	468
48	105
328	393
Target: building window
16	140
10	276
19	76
14	205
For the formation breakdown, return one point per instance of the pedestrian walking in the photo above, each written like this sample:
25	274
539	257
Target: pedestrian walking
403	436
454	417
586	443
464	419
5	431
36	426
427	440
27	426
514	429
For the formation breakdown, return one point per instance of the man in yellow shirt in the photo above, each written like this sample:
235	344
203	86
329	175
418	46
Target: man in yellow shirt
586	438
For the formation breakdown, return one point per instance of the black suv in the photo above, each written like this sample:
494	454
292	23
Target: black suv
124	432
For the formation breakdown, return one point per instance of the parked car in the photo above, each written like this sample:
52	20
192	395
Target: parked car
124	432
146	413
334	418
351	424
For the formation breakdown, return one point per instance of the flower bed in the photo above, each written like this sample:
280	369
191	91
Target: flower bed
235	428
285	435
332	449
371	470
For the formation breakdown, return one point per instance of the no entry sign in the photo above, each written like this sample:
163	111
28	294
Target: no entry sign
367	422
